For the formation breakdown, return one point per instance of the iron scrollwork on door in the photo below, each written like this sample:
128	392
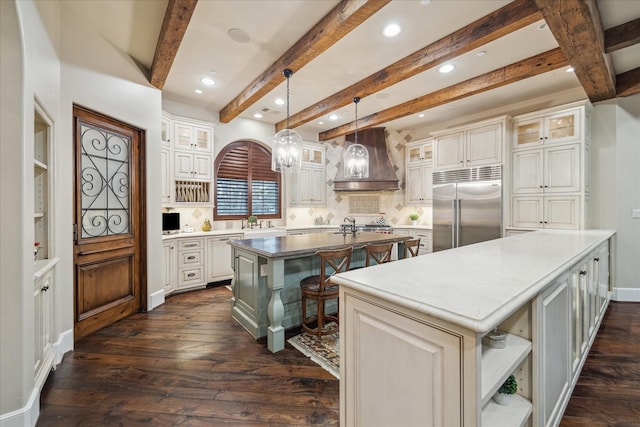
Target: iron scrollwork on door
105	172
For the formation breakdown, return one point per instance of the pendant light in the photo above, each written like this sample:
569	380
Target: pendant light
356	156
286	153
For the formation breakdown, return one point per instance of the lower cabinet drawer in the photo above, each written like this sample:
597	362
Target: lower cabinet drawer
188	258
190	276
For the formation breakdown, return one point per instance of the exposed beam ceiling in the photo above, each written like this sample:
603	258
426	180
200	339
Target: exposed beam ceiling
628	83
176	20
503	21
622	36
576	26
335	25
529	67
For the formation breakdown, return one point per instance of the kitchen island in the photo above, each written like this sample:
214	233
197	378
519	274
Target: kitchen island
411	331
267	274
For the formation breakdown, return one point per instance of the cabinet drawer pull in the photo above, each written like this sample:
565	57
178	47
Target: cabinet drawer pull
45	288
583	273
596	259
190	245
191	274
191	257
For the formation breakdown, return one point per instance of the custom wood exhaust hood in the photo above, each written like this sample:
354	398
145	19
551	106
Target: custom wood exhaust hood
382	175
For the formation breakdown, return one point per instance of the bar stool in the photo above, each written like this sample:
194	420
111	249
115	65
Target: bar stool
411	247
320	289
380	252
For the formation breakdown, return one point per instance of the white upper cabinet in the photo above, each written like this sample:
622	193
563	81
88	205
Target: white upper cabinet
188	136
309	188
470	146
558	127
550	158
419	173
165	131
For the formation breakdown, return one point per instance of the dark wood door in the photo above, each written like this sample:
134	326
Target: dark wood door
109	247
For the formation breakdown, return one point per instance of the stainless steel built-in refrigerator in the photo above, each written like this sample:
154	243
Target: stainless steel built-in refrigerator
467	206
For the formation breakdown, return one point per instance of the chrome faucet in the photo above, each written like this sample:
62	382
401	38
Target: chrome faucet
351	226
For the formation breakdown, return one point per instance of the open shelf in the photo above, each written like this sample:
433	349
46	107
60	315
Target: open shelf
499	363
516	413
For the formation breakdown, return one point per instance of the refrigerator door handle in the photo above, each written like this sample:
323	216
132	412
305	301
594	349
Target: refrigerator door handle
454	223
458	218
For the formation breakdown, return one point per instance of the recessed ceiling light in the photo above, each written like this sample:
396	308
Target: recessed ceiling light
542	26
198	91
421	115
208	81
279	101
257	115
320	123
481	53
238	35
570	70
382	95
446	68
333	117
425	2
391	30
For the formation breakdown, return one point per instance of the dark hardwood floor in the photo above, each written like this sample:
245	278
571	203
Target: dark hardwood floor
608	390
187	363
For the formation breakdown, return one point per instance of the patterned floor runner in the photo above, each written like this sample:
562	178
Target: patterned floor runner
324	352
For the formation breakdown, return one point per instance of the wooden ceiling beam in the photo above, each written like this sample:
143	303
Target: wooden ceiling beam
503	21
628	83
529	67
344	18
576	26
621	36
174	25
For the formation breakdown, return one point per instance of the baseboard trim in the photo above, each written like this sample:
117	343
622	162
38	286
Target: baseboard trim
26	416
626	294
156	299
62	346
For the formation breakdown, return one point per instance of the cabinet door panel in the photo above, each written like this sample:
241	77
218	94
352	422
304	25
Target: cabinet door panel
484	145
554	350
449	151
527	171
430	356
527	133
413	185
183	165
183	136
561	212
202	166
526	212
562	169
562	127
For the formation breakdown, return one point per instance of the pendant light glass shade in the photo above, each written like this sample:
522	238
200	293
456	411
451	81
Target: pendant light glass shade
286	152
355	160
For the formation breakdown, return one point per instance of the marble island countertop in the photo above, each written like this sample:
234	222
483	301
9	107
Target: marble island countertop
479	285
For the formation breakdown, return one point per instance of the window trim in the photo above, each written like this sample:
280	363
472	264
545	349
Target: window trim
254	149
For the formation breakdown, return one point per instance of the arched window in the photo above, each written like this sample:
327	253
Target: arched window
245	184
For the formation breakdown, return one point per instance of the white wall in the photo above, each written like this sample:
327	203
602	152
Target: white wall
616	186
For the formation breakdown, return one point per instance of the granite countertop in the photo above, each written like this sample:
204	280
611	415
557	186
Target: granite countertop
277	247
477	286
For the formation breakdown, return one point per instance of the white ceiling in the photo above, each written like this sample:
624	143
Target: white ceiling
274	25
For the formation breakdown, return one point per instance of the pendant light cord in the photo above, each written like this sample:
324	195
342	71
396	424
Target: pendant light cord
356	99
287	73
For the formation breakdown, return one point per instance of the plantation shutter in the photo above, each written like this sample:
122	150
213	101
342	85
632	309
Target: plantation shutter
245	183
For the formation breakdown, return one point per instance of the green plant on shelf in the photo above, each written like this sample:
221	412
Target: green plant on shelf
414	217
510	385
252	219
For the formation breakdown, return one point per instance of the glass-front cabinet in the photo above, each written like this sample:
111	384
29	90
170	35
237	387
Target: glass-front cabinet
554	128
